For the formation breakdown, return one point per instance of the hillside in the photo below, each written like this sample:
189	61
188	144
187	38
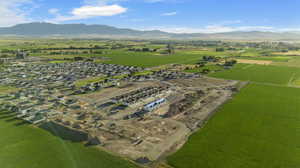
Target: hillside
46	29
95	31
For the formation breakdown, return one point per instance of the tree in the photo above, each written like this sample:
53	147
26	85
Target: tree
230	63
145	49
170	49
205	71
210	58
220	49
202	63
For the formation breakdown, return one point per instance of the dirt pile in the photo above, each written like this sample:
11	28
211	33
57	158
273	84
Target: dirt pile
183	104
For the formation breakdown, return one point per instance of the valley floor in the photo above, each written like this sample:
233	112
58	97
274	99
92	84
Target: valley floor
258	128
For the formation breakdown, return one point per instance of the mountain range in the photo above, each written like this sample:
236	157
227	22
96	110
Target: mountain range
38	29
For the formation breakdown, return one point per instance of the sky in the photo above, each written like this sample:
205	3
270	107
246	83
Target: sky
177	16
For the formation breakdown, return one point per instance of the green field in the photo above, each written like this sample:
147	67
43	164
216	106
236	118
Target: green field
6	89
268	58
142	59
24	146
259	128
294	62
84	82
261	73
209	67
150	59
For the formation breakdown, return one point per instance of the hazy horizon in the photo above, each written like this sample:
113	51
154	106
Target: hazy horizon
175	16
95	24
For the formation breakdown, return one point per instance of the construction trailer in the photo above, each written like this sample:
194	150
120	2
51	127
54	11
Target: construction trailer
154	105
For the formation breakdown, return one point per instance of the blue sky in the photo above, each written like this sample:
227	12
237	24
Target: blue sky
207	16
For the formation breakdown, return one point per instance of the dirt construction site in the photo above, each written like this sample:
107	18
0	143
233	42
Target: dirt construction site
146	119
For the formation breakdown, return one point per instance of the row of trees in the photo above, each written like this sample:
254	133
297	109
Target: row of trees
143	49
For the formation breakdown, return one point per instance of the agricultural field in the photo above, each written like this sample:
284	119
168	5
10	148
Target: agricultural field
267	74
265	135
289	53
23	145
144	59
294	62
250	53
211	68
269	58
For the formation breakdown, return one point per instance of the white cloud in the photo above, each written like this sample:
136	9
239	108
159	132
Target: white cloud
86	12
169	14
101	2
91	11
12	12
53	11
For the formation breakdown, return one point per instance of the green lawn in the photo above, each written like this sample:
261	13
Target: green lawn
58	62
24	146
259	128
86	81
6	89
147	72
260	73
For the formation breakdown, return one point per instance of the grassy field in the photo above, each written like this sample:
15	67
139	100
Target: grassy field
147	59
84	82
261	73
290	53
142	59
268	58
24	146
58	62
294	62
6	89
209	67
260	128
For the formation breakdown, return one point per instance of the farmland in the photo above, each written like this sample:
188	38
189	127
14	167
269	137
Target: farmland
144	59
257	128
265	135
261	73
121	52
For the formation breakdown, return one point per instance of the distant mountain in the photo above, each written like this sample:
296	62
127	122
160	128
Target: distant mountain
46	29
97	31
254	35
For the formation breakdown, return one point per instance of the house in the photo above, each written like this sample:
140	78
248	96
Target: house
21	55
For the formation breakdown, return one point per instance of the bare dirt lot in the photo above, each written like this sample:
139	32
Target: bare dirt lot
151	134
259	62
